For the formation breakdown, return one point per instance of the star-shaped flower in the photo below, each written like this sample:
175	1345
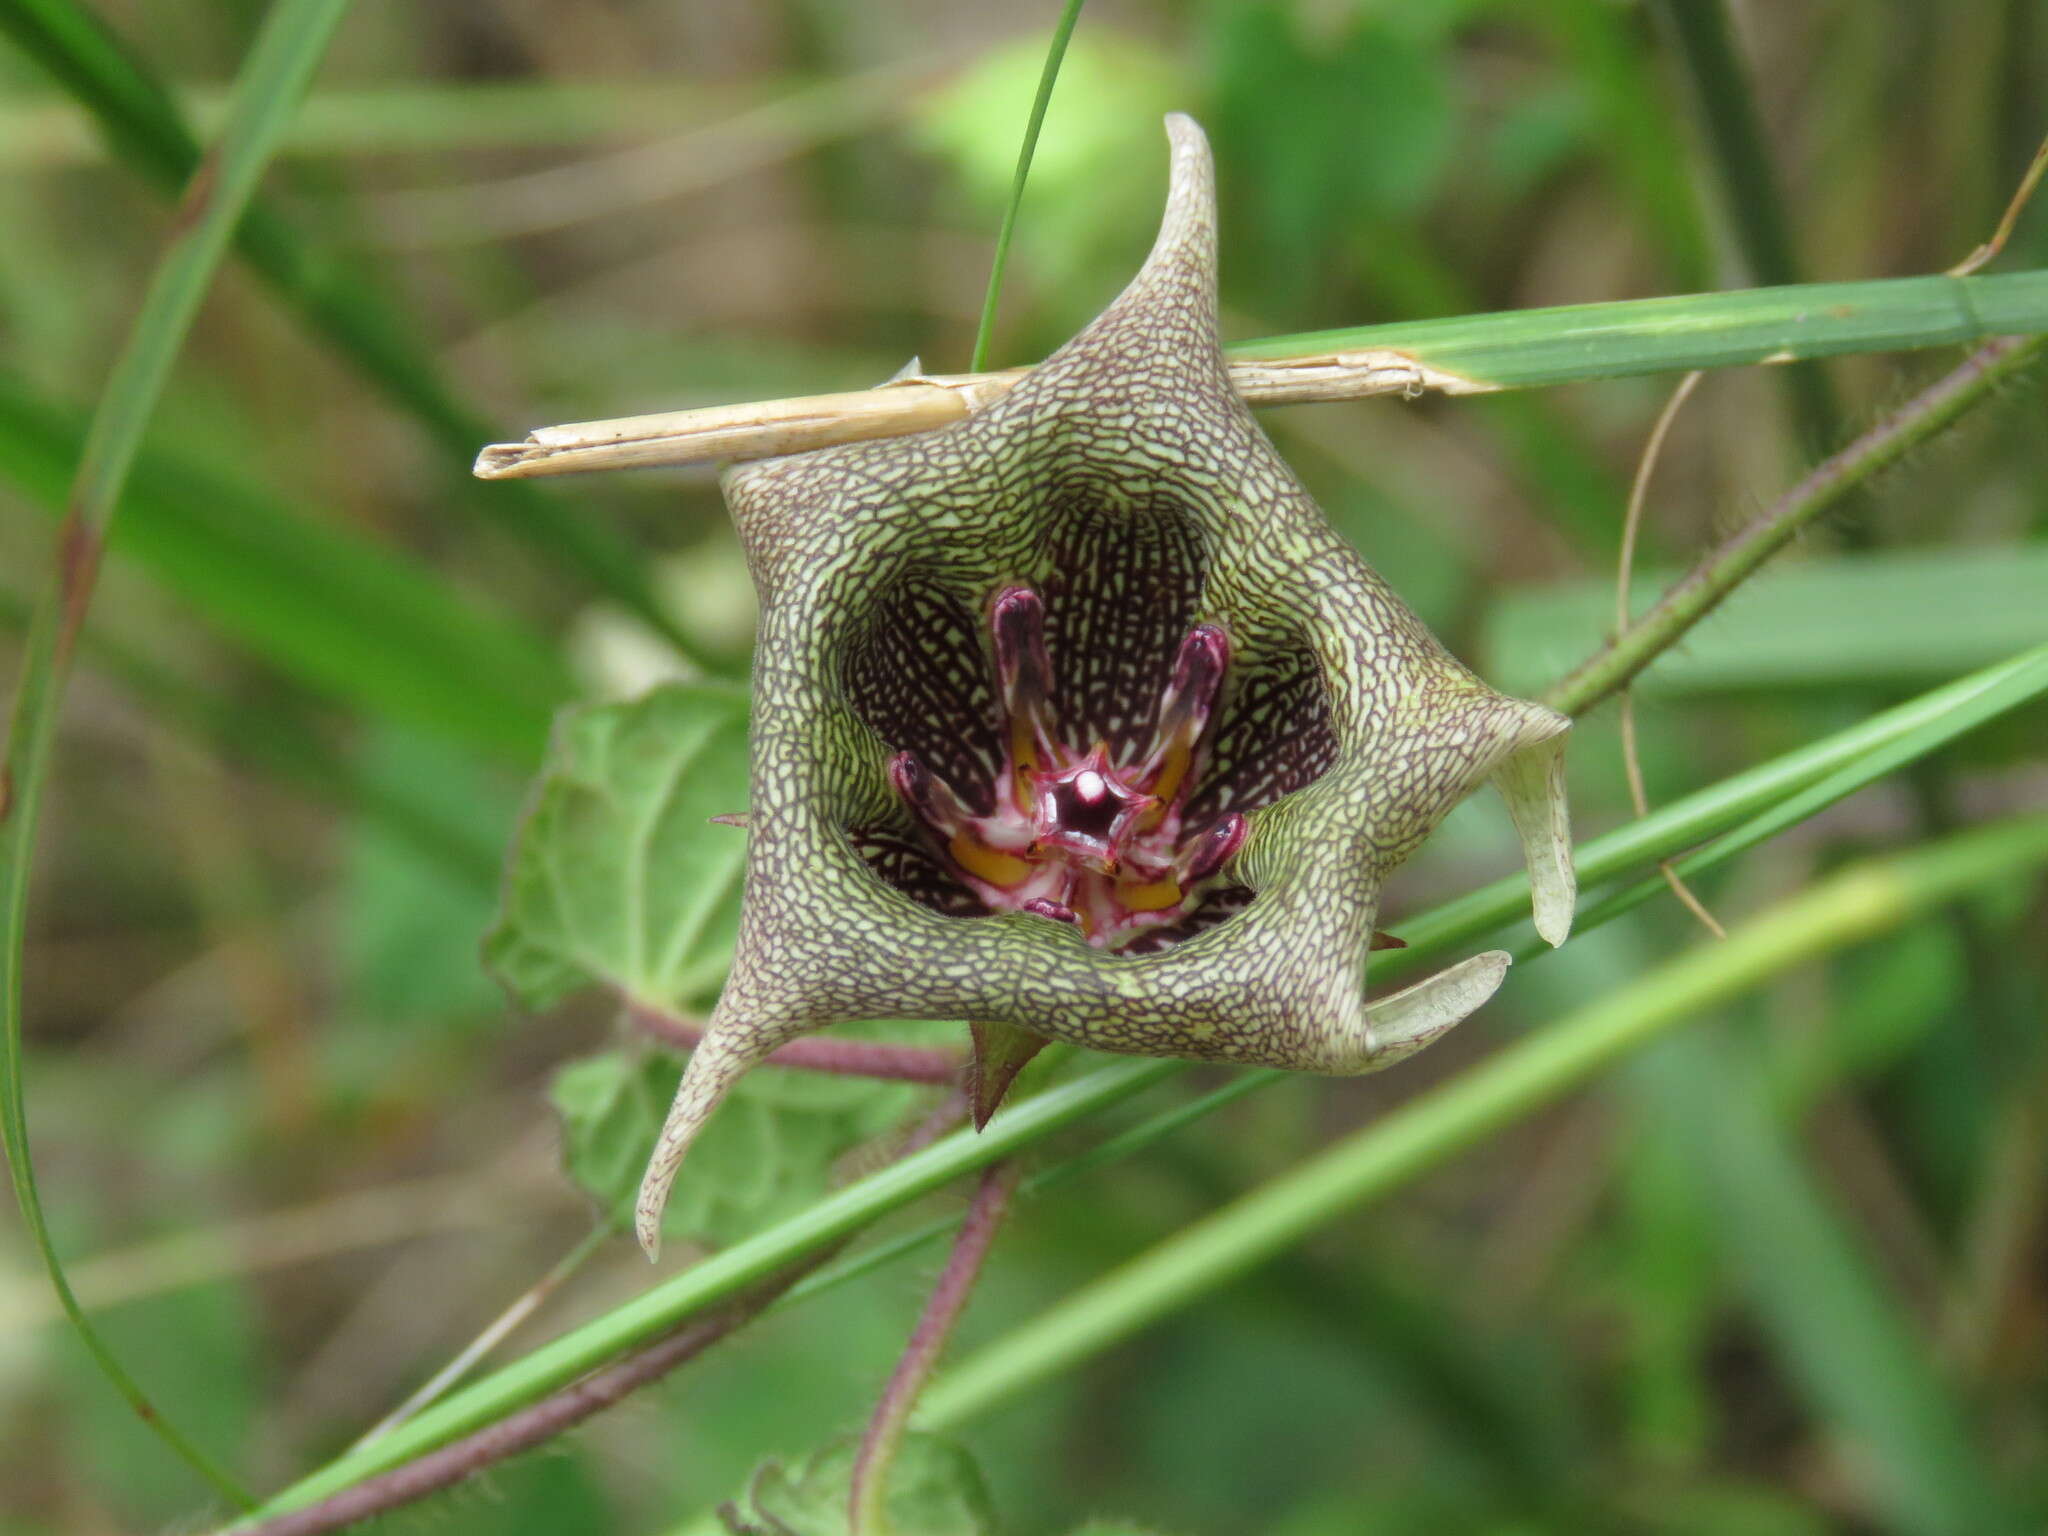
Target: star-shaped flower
1077	720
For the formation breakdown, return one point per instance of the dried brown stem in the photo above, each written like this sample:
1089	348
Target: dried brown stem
1986	253
917	403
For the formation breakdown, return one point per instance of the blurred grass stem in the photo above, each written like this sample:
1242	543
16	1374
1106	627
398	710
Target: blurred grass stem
287	49
1857	904
1750	185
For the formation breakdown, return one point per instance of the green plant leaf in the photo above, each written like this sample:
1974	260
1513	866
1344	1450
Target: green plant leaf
934	1490
774	1157
617	878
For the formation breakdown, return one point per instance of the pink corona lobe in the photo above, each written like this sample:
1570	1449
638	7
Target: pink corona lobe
1078	836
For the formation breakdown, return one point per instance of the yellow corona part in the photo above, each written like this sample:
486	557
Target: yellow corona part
1024	755
1156	896
997	868
1171	772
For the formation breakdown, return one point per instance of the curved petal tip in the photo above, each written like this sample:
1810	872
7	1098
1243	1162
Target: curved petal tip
1531	780
1403	1022
721	1057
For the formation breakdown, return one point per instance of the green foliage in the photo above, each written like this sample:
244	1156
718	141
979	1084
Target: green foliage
1306	181
1099	152
1841	1330
1903	617
355	621
1785	1291
617	878
771	1156
934	1490
410	922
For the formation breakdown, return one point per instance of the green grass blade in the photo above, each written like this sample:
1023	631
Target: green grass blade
38	132
1929	721
846	1210
280	64
1062	30
135	112
2012	685
1750	188
1856	905
1804	626
1833	1320
1571	343
334	609
1637	133
144	127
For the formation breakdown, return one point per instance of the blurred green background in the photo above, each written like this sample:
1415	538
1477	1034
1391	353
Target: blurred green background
300	1150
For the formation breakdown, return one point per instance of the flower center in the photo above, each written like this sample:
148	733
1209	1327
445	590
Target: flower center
1076	836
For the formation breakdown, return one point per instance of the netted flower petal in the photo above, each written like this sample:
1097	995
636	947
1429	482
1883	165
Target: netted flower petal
1124	490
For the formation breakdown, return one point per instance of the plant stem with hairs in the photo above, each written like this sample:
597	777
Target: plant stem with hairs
866	1514
1703	588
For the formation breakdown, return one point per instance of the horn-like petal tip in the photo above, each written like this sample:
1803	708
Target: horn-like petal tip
1532	783
1404	1022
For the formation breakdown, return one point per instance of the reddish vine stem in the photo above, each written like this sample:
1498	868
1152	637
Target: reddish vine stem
522	1431
846	1058
884	1434
562	1410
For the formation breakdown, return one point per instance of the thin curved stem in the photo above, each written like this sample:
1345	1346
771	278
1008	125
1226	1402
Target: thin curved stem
1631	762
288	48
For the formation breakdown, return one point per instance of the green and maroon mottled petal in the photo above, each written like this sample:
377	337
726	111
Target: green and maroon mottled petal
1125	484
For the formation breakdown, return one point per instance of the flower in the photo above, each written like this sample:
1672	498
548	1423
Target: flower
1077	720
